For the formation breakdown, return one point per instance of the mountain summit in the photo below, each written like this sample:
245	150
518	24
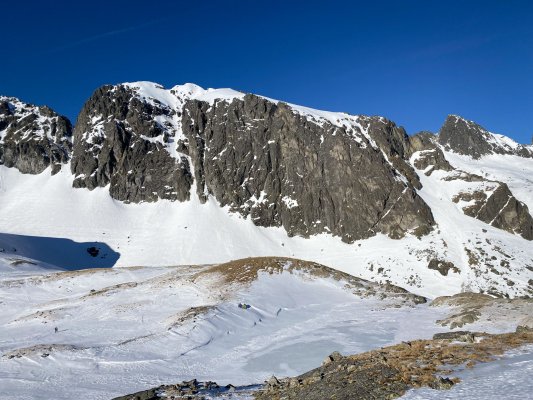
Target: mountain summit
256	176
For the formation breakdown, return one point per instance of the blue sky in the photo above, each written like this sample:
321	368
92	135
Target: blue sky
411	61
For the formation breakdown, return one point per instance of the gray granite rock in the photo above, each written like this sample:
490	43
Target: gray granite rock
468	138
499	209
119	141
33	138
265	160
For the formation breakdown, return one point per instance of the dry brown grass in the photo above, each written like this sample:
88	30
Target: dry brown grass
245	271
109	290
420	361
190	314
387	373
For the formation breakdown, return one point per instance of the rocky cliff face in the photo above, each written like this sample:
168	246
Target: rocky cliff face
33	138
468	138
498	207
308	173
122	140
268	161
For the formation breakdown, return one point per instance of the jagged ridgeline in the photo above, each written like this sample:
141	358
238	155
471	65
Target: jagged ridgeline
33	138
283	165
279	164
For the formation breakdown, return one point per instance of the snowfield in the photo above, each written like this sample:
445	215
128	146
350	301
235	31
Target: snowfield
172	233
121	330
99	298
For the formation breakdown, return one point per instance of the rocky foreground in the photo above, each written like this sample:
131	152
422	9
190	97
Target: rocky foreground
386	373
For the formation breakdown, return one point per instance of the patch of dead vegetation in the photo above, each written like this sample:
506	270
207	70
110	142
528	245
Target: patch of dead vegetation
64	275
42	350
389	372
109	290
44	315
468	308
245	271
188	315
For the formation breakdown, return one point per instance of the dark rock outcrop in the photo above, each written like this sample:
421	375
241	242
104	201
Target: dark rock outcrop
262	159
283	169
193	390
33	138
442	266
458	336
497	207
423	140
434	158
468	138
394	143
500	209
119	141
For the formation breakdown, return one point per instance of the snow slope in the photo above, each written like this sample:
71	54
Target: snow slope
471	242
121	330
174	233
55	224
515	171
125	329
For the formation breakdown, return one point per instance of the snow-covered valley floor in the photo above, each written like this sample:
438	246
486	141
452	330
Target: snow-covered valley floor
121	330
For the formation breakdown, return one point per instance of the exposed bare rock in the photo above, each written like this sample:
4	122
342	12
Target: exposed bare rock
389	372
259	157
265	160
120	140
468	308
442	266
458	336
498	208
33	138
468	138
432	158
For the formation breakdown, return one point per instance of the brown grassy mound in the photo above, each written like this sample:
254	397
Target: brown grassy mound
246	270
382	374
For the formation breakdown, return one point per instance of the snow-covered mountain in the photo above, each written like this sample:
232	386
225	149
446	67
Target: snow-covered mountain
33	138
157	177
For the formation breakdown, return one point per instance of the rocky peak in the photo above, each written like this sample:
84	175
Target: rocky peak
33	138
309	171
128	136
468	138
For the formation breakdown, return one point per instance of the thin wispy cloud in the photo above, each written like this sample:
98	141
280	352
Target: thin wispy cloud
105	35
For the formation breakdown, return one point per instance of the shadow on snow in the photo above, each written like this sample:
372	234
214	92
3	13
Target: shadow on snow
60	252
